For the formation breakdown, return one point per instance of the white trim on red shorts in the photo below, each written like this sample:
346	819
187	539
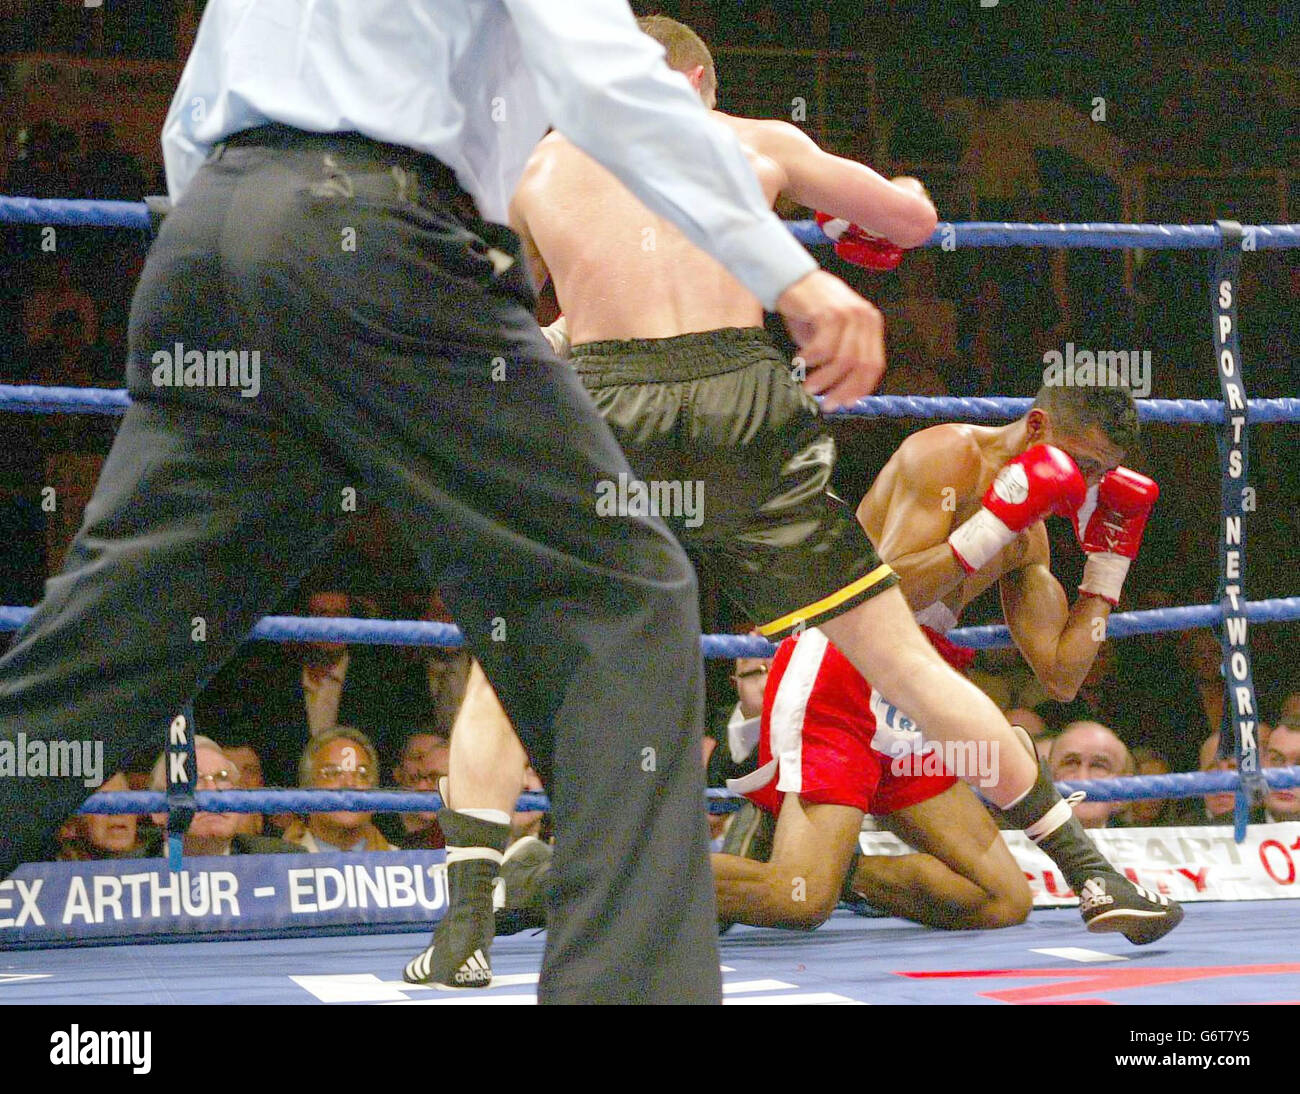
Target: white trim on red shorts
790	708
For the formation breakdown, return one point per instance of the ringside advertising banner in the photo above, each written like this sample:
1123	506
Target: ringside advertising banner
59	902
1197	863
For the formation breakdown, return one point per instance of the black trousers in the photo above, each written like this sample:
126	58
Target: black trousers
398	364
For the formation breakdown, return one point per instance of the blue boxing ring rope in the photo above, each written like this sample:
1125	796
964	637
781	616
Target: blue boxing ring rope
1231	615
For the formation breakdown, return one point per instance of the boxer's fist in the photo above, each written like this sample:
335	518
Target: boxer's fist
1040	481
1110	524
857	245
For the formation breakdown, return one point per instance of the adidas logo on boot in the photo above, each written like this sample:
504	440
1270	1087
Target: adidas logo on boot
1094	895
475	971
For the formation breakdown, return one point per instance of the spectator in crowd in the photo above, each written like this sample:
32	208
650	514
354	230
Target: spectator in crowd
340	758
107	172
424	761
1201	656
735	756
1218	808
249	763
446	670
1089	750
56	291
211	833
911	371
1159	812
1283	750
101	836
278	697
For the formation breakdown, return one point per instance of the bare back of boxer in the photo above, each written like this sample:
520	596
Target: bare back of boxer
621	272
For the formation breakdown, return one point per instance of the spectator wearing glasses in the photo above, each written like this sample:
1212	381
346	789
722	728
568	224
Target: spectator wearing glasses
341	758
736	755
424	761
245	758
211	833
1282	749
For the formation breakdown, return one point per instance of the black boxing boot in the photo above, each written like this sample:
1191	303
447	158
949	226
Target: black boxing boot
526	872
458	955
1108	901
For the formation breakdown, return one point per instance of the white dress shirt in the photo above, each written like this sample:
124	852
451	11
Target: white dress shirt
476	83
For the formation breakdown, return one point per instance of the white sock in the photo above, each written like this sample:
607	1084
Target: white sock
495	816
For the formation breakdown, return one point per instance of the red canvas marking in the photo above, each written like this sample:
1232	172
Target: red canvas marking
1072	982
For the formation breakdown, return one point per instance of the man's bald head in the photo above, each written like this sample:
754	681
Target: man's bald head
1089	750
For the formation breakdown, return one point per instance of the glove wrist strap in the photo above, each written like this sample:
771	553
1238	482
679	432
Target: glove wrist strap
1104	574
979	540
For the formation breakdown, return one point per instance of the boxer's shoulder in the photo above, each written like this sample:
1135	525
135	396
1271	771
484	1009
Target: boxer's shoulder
950	451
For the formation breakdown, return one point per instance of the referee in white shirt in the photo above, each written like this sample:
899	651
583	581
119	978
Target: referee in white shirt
340	172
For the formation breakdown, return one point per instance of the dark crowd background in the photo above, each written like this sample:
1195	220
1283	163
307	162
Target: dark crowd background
1035	112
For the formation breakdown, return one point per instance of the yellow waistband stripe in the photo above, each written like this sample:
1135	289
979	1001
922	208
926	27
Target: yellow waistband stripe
827	603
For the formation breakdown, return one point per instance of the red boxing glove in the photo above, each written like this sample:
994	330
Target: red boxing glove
1110	524
857	245
1040	481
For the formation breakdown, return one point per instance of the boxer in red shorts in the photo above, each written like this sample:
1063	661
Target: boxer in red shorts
944	514
840	742
830	751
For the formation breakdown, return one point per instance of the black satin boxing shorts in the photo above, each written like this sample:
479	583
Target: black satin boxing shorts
735	456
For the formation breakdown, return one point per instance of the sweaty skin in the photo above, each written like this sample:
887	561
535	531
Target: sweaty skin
932	484
645	279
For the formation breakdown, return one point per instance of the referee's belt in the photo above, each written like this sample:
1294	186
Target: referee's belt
439	179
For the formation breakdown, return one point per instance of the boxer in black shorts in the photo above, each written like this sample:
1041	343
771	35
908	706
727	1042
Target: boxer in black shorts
718	413
671	348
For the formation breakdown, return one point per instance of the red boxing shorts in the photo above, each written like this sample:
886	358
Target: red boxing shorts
828	737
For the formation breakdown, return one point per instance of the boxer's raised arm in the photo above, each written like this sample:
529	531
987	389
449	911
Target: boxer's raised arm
900	211
1058	641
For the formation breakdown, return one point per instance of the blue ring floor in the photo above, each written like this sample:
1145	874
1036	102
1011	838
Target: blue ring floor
1224	953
